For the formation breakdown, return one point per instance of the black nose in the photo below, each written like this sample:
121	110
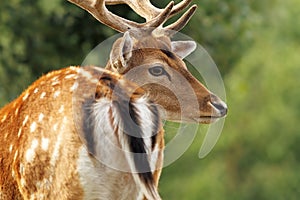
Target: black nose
220	106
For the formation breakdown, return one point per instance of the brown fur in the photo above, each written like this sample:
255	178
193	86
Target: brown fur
39	140
23	178
191	100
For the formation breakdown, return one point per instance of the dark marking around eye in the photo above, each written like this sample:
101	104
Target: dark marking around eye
159	71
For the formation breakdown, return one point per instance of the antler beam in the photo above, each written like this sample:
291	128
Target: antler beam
147	10
154	16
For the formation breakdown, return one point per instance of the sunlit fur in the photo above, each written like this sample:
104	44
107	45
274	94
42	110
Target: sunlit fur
149	44
53	136
180	95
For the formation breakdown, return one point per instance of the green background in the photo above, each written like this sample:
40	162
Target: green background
255	44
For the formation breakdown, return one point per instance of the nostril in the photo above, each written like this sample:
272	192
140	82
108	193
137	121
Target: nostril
221	106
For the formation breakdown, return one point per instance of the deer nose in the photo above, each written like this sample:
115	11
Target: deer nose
219	105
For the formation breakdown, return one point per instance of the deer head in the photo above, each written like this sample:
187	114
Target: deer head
147	56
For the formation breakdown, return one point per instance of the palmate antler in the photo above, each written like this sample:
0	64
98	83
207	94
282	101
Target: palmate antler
154	16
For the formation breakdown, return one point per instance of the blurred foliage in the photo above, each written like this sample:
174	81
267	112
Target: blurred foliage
38	36
258	155
225	29
256	45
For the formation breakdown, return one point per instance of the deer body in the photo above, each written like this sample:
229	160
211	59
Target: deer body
92	134
44	157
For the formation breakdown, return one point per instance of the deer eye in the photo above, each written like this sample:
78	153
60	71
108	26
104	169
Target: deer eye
157	71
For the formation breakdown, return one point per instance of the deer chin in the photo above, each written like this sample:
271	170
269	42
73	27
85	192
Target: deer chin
195	120
207	119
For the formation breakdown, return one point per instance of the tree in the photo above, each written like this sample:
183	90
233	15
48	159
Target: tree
40	36
257	156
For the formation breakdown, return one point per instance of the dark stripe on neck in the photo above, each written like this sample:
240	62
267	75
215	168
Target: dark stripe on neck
88	124
133	132
137	146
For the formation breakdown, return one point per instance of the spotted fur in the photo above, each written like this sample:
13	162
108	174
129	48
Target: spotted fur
53	139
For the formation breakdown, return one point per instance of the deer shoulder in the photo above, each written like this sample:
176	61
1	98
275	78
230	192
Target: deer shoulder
55	134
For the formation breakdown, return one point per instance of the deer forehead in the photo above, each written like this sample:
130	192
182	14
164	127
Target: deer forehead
144	59
153	42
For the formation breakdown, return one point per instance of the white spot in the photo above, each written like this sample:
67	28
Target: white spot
54	78
25	120
94	80
74	86
32	127
19	132
74	68
61	109
70	76
4	118
23	182
45	144
13	173
14	104
55	154
57	145
43	95
86	74
10	148
65	120
25	96
55	127
17	111
41	117
15	156
56	94
30	153
55	83
22	171
36	90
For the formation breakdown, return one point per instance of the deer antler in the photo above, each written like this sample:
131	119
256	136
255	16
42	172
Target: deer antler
147	10
154	16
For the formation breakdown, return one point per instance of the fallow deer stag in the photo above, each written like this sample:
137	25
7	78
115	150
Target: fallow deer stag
147	56
53	136
51	133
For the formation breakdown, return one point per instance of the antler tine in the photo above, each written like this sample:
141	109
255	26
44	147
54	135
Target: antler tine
142	7
101	13
148	11
145	9
180	6
154	16
181	22
162	17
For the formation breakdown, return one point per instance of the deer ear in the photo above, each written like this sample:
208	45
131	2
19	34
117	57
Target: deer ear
183	48
126	48
121	53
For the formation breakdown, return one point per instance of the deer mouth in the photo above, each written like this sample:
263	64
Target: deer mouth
207	119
